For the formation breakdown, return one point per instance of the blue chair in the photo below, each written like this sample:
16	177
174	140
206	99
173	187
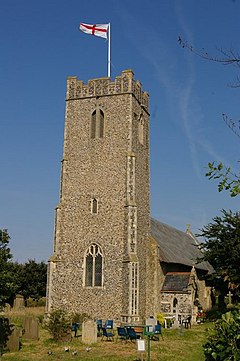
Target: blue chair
75	327
157	331
99	327
108	334
132	334
109	324
122	333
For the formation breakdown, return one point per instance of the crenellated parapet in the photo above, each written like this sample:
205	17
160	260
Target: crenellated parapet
123	84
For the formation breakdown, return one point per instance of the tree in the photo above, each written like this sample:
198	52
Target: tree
32	279
6	284
222	249
227	179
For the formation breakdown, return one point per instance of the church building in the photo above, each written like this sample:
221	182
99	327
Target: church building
110	259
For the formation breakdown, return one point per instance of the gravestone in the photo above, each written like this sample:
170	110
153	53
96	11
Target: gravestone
18	303
89	332
31	328
13	343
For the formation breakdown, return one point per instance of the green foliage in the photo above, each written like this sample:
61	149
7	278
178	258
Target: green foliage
79	318
5	332
227	180
223	341
59	325
7	286
41	302
31	302
32	279
222	249
214	314
161	319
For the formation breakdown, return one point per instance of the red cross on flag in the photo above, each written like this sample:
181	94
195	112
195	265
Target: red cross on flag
96	29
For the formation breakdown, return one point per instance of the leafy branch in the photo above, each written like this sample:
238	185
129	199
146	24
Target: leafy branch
227	179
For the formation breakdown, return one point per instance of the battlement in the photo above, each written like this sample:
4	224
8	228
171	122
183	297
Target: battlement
123	84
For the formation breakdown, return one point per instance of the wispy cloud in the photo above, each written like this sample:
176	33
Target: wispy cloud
180	91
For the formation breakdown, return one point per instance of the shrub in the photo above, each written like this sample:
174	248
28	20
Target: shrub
5	332
161	319
223	341
79	318
41	302
31	302
59	325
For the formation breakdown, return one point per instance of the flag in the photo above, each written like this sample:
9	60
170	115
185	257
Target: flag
96	29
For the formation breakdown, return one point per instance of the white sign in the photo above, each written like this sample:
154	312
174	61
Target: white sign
141	345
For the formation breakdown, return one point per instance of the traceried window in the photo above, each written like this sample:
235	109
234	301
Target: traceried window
94	266
97	124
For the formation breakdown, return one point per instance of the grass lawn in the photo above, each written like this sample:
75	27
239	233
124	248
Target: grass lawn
174	347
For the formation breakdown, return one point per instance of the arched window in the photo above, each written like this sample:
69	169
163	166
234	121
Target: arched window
93	266
93	125
97	124
175	303
140	129
94	206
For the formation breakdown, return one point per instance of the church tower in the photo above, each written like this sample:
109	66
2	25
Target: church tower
102	221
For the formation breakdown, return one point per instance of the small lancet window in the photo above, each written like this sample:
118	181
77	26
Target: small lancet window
94	266
97	124
94	206
140	129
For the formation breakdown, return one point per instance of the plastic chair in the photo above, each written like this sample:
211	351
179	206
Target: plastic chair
122	333
99	327
157	331
105	333
109	324
75	327
132	334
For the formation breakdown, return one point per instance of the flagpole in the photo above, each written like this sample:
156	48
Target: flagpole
109	52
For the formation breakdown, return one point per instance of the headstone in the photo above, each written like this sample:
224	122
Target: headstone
13	343
18	303
31	328
89	332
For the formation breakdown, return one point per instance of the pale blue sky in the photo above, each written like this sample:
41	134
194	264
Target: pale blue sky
41	45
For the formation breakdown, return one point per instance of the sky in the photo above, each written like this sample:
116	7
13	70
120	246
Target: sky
41	46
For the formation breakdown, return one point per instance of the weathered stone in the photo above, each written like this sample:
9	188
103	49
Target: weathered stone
111	167
31	328
89	332
106	263
13	343
18	303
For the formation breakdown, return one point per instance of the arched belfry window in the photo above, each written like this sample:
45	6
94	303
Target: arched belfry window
97	124
94	206
94	266
140	129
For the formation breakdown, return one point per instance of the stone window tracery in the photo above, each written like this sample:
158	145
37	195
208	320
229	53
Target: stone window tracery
94	266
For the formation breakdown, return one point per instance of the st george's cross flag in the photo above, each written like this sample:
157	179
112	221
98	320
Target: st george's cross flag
96	29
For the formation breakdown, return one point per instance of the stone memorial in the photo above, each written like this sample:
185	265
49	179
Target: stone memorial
13	343
89	332
19	303
31	328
